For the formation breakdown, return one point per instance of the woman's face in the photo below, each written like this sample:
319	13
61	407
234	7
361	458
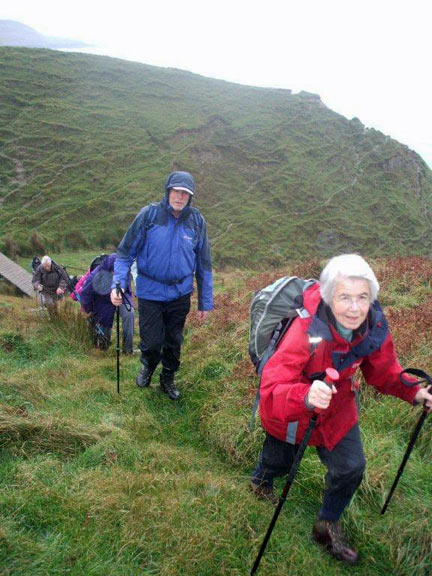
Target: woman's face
351	301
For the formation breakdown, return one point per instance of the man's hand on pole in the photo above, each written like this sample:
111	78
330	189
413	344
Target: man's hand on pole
202	315
116	299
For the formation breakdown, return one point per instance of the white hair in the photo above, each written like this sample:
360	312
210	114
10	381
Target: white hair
346	266
46	260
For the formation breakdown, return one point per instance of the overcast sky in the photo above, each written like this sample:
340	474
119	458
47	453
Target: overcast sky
365	58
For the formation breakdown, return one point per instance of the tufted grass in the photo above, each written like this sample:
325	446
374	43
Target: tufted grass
100	484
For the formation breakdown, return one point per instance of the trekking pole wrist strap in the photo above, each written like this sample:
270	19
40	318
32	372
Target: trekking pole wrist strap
424	377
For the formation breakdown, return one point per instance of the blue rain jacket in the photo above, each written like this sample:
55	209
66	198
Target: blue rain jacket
169	251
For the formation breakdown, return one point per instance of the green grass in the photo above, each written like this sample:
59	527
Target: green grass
100	484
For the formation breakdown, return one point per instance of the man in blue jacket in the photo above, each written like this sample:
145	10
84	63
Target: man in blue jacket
170	245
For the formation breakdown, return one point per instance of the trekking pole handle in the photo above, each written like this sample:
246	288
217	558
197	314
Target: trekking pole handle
331	375
118	288
424	378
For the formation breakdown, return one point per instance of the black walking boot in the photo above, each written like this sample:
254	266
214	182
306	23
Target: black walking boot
144	377
167	385
329	534
263	492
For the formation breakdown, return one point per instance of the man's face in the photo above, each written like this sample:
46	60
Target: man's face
178	200
47	266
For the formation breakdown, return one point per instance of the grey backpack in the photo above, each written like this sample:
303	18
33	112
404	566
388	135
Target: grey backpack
272	312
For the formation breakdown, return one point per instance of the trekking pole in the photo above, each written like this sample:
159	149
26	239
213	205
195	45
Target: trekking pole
428	379
331	376
118	338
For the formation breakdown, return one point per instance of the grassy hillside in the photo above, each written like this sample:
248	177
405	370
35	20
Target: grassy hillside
99	484
85	141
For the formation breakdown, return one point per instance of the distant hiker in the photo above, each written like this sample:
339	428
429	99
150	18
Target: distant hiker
96	301
169	242
347	329
75	295
49	280
35	263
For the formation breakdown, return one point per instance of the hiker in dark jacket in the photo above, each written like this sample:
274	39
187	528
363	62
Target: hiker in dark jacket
95	301
345	319
49	280
35	263
169	242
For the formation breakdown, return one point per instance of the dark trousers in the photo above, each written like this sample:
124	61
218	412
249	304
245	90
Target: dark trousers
161	331
102	334
127	318
345	467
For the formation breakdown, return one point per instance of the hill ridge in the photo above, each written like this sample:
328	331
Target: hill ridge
86	140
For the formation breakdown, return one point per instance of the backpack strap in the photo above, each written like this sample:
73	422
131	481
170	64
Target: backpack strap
198	223
148	221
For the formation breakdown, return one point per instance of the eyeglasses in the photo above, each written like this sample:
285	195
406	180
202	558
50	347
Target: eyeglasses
350	301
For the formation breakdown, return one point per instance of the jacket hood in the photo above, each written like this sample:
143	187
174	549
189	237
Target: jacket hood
312	298
181	180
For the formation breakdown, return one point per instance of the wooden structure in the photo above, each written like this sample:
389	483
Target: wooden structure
13	273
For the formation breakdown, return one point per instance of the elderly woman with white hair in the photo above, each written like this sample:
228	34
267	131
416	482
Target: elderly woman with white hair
349	331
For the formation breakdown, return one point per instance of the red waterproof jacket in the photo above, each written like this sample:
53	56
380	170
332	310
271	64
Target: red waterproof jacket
289	373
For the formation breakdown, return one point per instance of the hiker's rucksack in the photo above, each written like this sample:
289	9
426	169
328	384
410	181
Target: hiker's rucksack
79	284
97	261
272	312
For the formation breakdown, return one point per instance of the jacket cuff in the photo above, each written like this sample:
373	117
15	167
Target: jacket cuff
415	389
307	403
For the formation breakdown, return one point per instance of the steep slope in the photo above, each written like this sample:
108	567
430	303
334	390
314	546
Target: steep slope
86	140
